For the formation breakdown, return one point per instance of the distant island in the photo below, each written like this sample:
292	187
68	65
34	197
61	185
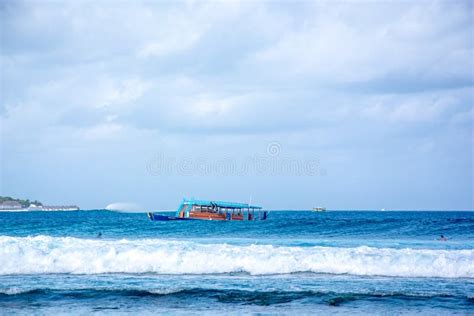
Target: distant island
23	203
8	203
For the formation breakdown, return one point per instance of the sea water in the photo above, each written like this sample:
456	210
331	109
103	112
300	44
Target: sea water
296	262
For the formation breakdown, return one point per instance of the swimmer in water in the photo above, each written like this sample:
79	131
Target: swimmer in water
99	235
442	238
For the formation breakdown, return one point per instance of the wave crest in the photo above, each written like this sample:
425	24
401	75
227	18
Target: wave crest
45	254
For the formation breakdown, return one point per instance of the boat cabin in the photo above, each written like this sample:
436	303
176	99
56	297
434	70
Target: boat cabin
217	210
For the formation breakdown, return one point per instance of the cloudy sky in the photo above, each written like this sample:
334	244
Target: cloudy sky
348	105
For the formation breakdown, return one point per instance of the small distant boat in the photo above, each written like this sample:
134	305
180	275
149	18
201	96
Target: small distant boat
213	210
319	209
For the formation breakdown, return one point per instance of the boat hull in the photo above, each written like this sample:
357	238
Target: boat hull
165	218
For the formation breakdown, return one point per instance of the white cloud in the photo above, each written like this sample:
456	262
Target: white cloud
170	45
463	117
119	92
342	43
102	131
420	107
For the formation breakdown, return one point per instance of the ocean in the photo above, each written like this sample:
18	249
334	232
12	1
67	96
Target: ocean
296	262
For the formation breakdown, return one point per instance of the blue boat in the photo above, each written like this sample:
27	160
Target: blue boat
160	217
213	210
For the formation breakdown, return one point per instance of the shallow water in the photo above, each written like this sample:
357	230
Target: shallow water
295	262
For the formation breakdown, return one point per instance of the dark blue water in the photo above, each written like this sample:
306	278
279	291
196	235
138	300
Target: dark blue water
295	262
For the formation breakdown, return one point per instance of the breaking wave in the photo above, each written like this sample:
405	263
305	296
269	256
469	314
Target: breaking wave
45	254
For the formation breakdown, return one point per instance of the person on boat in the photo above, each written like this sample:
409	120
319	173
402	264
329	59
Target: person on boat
442	238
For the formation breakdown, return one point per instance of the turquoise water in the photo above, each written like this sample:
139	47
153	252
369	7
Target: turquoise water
295	262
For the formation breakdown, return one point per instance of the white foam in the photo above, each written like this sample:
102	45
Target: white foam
45	254
14	291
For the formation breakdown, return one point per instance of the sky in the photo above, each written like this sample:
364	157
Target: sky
289	105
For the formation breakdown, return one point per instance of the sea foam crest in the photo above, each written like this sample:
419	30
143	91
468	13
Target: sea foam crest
45	254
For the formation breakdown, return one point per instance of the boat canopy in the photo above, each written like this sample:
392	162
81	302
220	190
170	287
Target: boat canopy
229	205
